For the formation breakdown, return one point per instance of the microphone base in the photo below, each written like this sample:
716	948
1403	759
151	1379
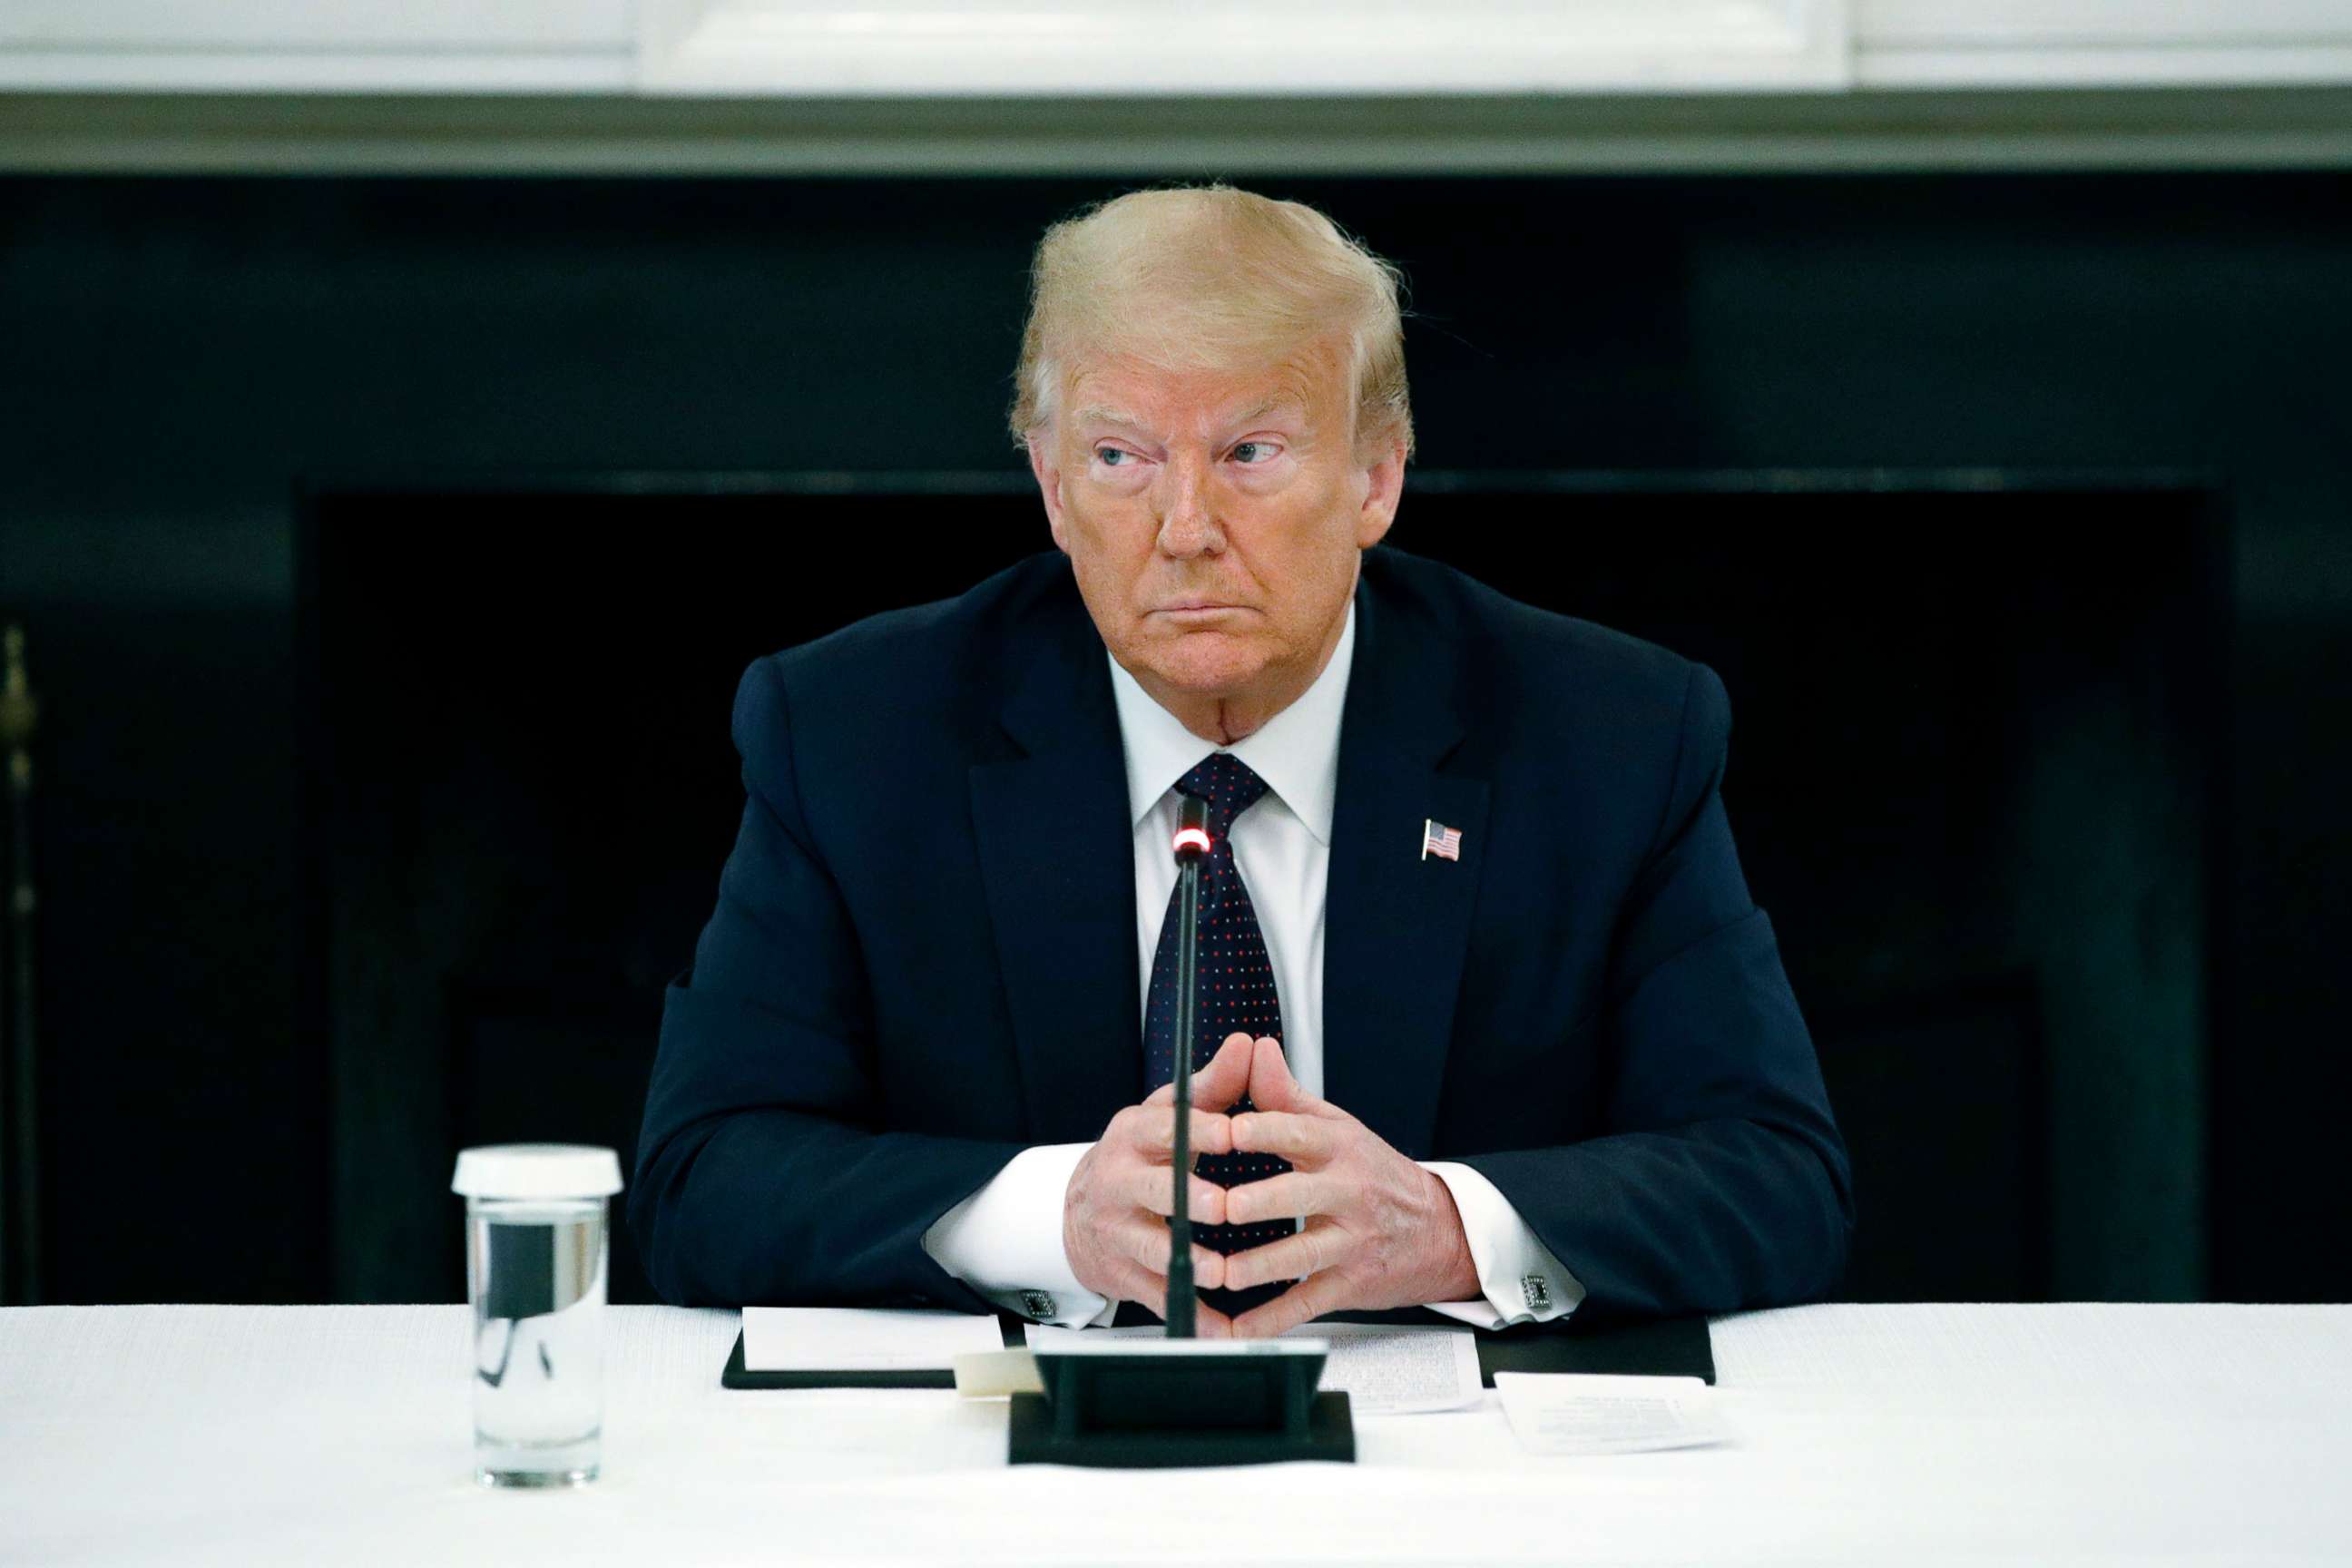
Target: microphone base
1147	1403
1328	1433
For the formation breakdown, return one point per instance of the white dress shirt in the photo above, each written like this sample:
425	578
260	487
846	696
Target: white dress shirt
1005	1240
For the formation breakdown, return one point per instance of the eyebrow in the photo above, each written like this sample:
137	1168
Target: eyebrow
1102	413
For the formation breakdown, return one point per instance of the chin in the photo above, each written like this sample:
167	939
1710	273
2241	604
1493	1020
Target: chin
1206	664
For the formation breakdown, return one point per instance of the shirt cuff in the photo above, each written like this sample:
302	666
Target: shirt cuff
1006	1241
1523	1282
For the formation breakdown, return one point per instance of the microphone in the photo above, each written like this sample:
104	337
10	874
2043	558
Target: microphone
1181	1400
1192	847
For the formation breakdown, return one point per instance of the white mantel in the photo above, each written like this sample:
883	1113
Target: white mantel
1298	47
1147	85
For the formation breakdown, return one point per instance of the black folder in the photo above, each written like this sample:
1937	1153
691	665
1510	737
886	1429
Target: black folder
1670	1347
1664	1347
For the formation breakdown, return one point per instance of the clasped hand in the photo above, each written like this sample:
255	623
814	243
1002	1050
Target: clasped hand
1380	1231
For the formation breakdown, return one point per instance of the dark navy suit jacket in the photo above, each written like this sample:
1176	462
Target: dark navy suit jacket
923	954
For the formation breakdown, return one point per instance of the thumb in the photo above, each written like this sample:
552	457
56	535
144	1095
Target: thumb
1216	1087
1231	1061
1271	1087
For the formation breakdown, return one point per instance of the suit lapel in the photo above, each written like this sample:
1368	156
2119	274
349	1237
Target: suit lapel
1056	856
1396	926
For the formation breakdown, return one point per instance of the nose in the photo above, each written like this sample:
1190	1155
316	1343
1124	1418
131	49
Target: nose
1188	521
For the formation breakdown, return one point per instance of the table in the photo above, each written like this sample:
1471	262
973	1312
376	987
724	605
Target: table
1885	1434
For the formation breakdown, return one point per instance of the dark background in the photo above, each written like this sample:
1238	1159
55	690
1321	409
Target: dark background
388	550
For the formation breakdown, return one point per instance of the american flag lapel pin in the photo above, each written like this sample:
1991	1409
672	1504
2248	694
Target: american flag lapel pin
1440	840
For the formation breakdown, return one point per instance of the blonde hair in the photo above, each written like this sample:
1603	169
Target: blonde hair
1209	277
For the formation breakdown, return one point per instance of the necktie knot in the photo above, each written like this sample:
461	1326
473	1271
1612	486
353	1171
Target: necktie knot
1227	783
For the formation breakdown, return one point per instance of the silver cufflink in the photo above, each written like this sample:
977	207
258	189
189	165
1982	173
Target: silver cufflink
1037	1304
1537	1291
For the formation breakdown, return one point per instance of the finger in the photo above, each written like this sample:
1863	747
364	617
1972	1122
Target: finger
1238	1044
1271	1087
1212	1132
1217	1086
1225	1079
1301	1140
1309	1298
1149	1188
1292	1194
1299	1257
1133	1282
1147	1242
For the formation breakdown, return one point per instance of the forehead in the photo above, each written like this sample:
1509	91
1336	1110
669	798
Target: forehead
1125	390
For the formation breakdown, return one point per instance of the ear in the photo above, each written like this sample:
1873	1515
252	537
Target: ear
1046	467
1384	488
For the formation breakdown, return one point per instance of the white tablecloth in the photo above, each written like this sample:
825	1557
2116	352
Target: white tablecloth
1897	1435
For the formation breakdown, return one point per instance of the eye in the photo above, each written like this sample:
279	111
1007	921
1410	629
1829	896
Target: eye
1243	451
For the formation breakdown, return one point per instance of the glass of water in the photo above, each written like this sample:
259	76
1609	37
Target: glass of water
535	1258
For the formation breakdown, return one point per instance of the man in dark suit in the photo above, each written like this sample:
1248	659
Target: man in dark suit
1489	1022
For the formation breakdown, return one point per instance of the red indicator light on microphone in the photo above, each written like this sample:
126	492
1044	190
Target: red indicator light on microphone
1196	839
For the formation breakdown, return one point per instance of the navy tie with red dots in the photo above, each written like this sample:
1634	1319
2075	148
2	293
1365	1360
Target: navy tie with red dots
1237	990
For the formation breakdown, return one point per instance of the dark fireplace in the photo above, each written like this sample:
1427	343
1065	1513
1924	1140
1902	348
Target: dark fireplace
1977	718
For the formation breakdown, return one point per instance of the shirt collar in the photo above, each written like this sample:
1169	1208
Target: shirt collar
1296	752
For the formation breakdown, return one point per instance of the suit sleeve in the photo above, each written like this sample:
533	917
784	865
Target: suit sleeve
761	1177
1722	1182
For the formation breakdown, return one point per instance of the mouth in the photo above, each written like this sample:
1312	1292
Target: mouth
1197	607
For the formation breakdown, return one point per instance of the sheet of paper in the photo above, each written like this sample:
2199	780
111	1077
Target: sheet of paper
842	1338
993	1374
1586	1412
1383	1370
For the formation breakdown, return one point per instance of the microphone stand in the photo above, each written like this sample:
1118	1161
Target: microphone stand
1191	848
1182	1401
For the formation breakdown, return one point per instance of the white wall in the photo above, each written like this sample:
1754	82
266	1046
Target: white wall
1147	47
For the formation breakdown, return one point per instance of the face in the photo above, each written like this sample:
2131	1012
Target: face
1215	521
